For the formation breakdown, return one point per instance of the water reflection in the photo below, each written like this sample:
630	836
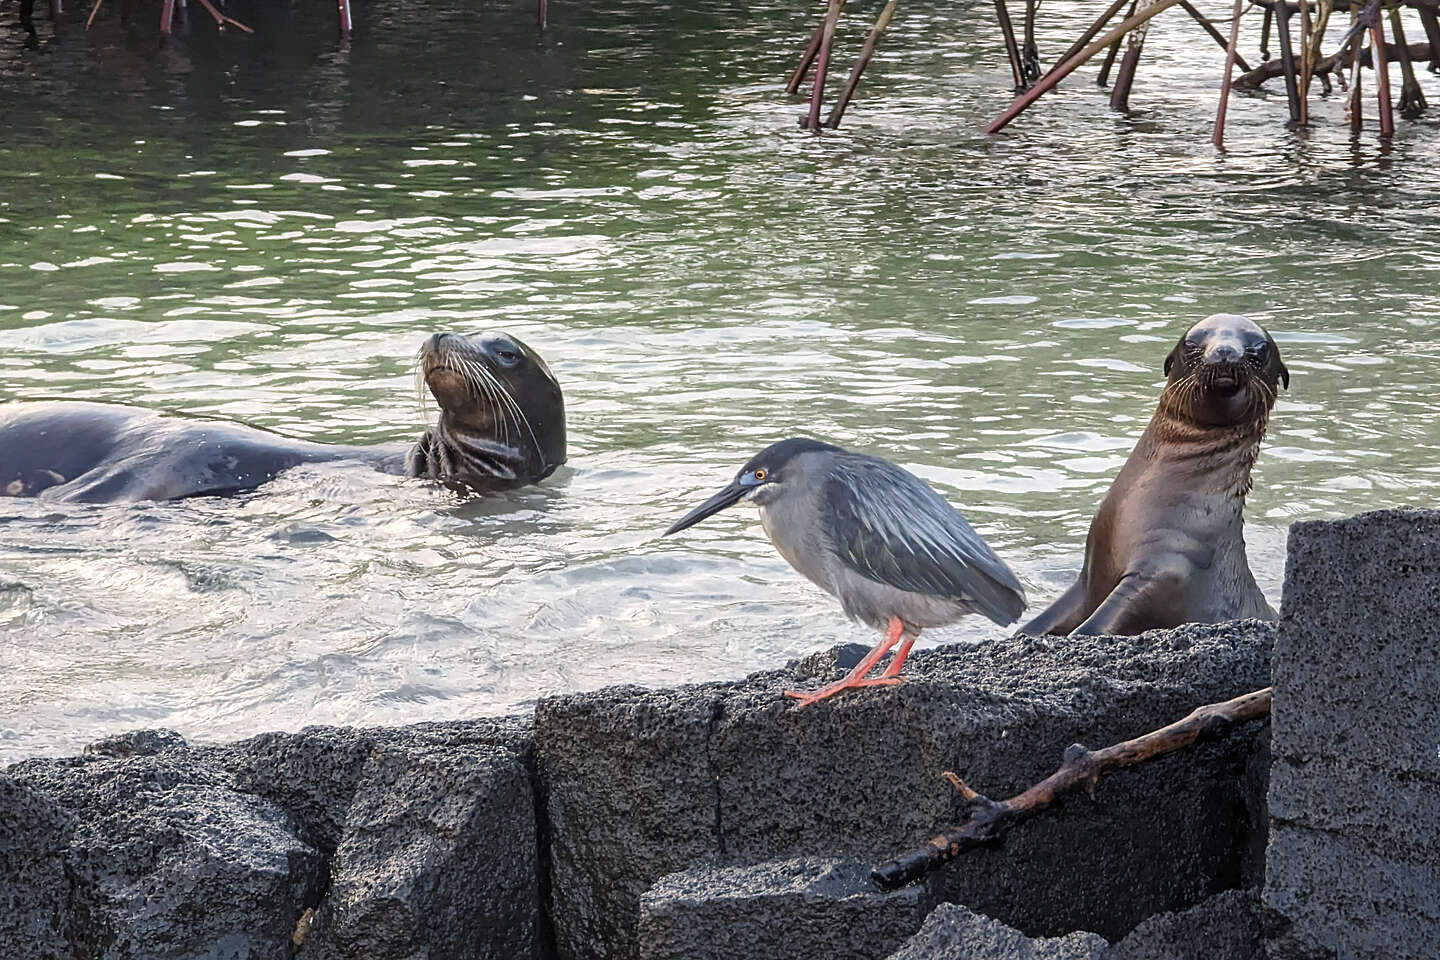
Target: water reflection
263	229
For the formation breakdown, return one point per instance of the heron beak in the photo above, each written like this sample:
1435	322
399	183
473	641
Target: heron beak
726	497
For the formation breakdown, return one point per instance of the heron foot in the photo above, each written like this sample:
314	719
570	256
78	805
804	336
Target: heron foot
807	697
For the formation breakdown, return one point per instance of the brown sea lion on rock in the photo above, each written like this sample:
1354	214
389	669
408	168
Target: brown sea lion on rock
1167	544
501	424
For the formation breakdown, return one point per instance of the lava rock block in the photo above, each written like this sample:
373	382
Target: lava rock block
1353	866
641	784
314	774
437	857
631	797
1225	927
955	932
166	860
37	898
805	908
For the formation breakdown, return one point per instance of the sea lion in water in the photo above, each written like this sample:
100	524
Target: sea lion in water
1167	544
501	424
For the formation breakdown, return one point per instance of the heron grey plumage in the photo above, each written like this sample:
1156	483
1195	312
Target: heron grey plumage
893	551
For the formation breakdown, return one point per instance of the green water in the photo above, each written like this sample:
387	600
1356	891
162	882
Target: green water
265	228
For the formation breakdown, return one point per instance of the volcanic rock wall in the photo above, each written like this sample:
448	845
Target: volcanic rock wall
716	821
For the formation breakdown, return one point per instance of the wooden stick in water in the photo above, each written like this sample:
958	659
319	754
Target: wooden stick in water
822	66
1382	77
1218	137
1049	81
1352	105
1029	52
1125	79
1090	32
1112	53
1287	58
1412	98
1307	63
866	52
1431	22
221	19
797	76
1012	50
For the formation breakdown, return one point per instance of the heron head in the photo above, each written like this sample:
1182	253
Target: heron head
761	481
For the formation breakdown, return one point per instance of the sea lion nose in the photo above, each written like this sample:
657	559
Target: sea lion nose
1223	351
436	342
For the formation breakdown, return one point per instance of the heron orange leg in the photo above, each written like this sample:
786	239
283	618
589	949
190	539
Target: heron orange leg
898	661
856	679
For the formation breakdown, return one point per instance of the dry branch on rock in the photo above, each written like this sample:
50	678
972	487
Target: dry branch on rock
1081	767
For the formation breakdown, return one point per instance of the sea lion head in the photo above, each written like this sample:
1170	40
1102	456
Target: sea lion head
502	415
1225	370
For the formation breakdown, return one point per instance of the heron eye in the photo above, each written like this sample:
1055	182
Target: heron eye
759	474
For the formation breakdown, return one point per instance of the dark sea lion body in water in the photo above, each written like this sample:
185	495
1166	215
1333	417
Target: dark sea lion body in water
501	424
1166	546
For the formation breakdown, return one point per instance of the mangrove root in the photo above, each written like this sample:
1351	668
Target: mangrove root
1271	69
988	819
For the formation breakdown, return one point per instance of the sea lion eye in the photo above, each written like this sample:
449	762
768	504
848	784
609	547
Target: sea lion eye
509	356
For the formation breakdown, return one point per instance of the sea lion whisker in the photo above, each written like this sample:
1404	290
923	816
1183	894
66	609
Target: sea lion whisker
521	417
478	386
499	411
420	391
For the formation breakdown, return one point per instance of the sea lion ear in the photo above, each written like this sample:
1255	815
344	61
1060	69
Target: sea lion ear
1284	376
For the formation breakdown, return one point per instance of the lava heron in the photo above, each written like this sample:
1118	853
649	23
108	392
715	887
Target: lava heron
878	538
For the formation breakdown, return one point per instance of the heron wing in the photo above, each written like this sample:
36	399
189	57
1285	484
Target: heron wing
889	525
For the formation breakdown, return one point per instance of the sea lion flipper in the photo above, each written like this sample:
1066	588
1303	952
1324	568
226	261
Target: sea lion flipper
1062	616
1139	602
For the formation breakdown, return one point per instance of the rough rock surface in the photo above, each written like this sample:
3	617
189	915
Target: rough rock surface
393	842
641	783
1225	927
37	912
1353	868
804	908
437	858
135	743
165	859
955	932
314	773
